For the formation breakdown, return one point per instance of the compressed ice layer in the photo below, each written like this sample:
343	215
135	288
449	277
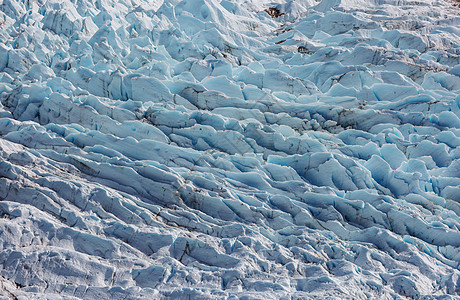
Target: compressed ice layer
208	149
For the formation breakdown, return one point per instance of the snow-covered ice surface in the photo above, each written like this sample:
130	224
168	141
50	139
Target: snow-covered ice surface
229	149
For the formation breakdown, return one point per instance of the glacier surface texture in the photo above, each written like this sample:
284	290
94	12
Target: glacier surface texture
229	149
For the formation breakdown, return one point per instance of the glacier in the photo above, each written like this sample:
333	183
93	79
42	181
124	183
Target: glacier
229	149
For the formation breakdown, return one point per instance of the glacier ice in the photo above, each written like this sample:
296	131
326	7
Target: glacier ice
229	149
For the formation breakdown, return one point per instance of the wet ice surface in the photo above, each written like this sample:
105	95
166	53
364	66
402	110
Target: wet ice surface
217	149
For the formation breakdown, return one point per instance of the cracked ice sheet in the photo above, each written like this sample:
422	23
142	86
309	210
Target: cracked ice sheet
210	149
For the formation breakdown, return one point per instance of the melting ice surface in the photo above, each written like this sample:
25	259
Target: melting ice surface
228	149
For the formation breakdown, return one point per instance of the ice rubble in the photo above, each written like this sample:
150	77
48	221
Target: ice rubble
229	149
